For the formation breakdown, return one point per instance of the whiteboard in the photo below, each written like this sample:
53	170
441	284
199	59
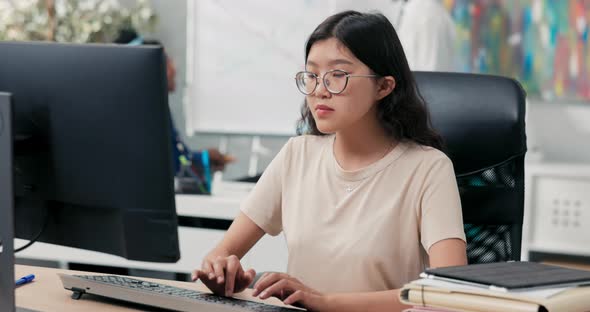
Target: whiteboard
242	58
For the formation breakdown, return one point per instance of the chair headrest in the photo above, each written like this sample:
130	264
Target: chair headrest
481	117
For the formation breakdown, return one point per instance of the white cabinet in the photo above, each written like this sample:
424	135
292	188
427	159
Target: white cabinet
194	245
270	254
557	209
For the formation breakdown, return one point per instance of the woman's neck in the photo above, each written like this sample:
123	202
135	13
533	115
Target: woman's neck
361	145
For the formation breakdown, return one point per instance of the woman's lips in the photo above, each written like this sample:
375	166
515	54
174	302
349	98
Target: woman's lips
323	110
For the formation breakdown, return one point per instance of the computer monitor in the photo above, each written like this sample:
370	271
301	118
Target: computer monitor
92	163
6	206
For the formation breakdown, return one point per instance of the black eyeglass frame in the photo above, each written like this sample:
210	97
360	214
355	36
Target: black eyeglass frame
347	75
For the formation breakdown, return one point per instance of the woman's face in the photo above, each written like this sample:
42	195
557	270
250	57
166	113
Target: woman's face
334	112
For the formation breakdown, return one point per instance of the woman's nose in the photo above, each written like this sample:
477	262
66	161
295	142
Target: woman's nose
321	91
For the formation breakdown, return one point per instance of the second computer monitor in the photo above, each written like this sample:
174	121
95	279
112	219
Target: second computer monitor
92	147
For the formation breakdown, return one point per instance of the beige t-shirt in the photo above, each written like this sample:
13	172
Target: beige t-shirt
363	230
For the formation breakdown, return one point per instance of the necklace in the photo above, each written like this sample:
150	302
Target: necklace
350	188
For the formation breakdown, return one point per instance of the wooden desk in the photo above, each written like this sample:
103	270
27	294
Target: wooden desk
571	265
46	293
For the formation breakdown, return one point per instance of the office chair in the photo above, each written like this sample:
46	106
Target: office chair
481	119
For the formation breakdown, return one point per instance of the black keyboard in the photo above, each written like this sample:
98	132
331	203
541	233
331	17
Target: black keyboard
159	295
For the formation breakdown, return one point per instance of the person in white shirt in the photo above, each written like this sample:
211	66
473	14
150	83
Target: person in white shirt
428	34
424	27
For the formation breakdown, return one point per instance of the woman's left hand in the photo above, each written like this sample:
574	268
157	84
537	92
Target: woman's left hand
290	290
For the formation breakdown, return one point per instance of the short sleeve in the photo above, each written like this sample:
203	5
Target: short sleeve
441	215
263	204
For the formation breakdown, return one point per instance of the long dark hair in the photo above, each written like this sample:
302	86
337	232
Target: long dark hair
373	40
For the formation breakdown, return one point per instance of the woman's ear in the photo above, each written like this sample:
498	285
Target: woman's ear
386	86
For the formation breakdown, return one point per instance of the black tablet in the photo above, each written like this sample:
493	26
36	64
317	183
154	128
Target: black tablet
513	275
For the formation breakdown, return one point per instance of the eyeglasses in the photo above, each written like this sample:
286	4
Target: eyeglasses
335	81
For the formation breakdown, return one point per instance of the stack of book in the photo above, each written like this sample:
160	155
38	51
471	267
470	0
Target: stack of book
503	286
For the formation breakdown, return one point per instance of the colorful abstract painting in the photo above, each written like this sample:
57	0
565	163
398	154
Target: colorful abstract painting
542	43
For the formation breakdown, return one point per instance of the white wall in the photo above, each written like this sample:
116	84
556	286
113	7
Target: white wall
558	131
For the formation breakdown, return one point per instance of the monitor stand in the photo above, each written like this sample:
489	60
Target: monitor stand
6	206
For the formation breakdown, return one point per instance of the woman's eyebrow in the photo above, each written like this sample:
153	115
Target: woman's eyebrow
332	62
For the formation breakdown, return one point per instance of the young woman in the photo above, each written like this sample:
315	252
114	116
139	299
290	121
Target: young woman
366	200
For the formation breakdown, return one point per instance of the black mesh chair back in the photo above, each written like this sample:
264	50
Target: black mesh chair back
481	119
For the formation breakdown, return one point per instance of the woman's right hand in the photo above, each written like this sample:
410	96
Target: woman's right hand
224	275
